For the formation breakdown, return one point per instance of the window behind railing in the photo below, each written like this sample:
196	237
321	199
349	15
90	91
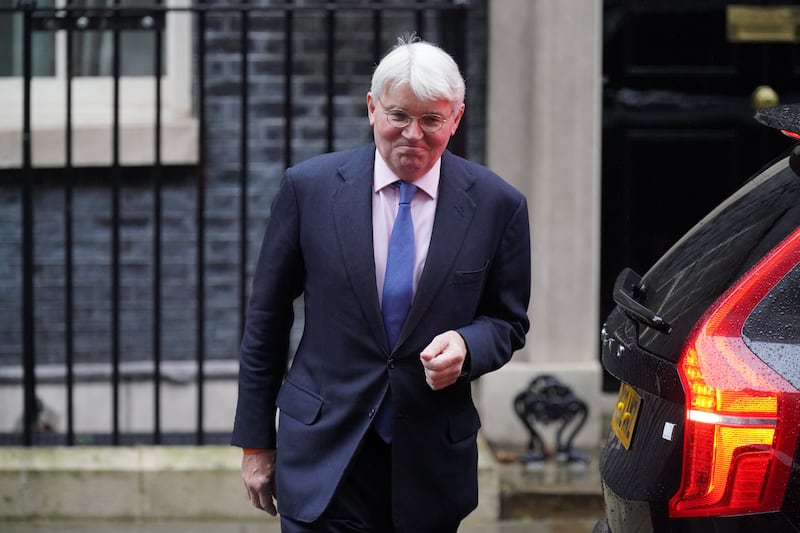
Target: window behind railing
132	205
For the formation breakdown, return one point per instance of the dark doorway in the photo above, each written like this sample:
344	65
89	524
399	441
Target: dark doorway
680	80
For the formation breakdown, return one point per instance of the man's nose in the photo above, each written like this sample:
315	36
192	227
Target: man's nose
413	129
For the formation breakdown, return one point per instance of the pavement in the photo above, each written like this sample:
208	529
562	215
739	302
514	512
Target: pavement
561	525
544	497
547	497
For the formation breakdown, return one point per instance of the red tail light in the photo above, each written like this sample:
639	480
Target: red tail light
742	418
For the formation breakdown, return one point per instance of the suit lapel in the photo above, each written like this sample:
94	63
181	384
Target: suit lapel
352	215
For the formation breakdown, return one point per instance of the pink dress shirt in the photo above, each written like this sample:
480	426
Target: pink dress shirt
384	210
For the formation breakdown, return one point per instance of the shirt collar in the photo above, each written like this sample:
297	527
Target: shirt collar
428	182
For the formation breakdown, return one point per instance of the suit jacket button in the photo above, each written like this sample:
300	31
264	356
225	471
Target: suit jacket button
391	363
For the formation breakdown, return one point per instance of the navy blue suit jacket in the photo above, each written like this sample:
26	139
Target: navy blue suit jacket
318	243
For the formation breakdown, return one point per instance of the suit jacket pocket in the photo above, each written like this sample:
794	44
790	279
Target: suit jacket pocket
461	277
464	424
299	403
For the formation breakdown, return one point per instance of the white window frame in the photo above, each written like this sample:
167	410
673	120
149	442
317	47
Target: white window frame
92	110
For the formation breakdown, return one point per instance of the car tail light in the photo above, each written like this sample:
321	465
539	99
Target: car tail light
742	418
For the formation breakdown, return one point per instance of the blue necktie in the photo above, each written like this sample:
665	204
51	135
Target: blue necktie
398	290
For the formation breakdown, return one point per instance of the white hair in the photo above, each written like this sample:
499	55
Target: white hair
430	72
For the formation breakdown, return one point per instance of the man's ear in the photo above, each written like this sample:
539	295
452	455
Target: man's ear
457	119
371	109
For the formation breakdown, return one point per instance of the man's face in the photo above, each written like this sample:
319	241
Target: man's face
410	151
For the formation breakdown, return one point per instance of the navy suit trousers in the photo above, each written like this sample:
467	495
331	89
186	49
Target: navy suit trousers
362	502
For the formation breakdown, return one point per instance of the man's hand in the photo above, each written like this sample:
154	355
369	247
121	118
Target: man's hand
443	359
258	473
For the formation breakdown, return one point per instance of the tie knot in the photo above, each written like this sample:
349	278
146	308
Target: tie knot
407	191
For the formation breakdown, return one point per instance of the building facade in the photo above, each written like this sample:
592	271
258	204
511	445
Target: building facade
134	263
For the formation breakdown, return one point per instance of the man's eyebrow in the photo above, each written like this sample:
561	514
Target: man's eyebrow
395	108
425	114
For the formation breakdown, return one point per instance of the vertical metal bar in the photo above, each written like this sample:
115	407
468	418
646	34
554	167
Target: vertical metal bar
287	85
28	348
115	236
244	170
201	221
69	343
157	197
419	18
377	32
453	24
453	30
330	77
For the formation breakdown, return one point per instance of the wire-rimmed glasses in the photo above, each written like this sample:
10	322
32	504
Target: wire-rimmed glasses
400	118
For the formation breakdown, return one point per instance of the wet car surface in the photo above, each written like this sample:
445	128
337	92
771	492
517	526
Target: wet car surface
706	346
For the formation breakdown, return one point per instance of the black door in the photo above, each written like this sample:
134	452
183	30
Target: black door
680	78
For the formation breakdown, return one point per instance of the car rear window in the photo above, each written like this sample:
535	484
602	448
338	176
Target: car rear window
772	331
717	251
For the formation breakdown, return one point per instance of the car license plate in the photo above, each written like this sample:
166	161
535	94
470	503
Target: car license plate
624	418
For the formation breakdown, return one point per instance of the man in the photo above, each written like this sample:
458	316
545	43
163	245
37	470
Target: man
377	429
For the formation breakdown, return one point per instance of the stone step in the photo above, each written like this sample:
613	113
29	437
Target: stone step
549	489
188	482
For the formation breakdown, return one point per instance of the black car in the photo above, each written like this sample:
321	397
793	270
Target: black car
706	346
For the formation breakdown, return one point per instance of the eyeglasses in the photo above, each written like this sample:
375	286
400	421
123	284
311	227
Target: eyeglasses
429	122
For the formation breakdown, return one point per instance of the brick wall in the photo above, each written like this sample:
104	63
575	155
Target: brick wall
91	193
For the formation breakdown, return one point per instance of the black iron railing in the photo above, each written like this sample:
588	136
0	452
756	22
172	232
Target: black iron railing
259	26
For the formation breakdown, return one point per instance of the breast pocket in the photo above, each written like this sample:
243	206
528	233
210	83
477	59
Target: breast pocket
466	277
